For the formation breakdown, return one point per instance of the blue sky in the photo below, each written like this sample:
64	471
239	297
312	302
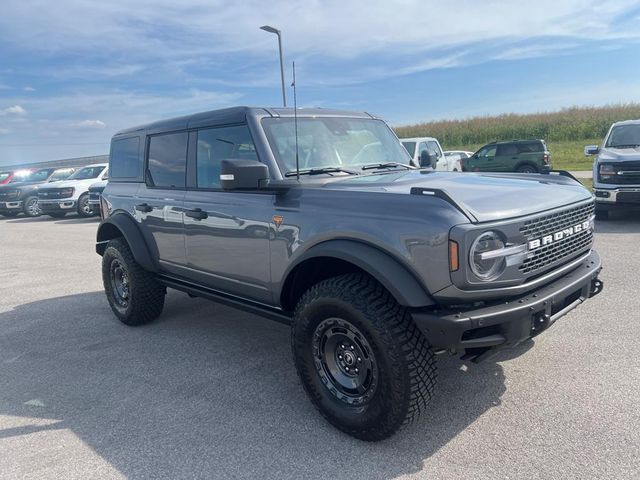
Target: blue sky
74	72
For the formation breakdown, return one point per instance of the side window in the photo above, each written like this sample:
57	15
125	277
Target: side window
167	160
124	157
434	149
216	144
530	147
507	149
487	152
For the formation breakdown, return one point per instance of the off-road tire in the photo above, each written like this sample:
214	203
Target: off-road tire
84	209
405	363
57	214
145	295
27	208
527	168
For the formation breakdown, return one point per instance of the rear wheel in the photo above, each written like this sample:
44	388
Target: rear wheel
527	168
361	359
30	207
84	208
134	295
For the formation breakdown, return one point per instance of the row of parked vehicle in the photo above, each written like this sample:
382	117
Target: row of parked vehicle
53	191
521	156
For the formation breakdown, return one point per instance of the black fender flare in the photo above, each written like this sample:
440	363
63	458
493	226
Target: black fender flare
395	277
121	224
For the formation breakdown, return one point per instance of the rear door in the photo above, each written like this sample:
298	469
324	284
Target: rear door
159	203
226	233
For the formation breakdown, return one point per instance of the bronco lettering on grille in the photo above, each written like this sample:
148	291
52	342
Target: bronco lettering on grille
560	235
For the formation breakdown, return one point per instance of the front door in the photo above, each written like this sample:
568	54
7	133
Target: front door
160	200
226	233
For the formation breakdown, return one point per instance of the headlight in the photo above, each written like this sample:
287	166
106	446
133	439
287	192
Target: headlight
67	192
487	268
607	171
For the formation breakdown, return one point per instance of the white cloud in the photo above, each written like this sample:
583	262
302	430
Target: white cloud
29	89
13	110
4	131
90	124
338	29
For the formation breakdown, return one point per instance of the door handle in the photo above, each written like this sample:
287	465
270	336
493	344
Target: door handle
196	213
144	207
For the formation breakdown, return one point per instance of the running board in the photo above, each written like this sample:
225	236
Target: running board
266	311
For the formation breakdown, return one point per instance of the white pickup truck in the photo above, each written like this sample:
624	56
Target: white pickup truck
72	194
426	152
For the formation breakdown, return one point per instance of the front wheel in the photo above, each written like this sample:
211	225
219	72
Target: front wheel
30	207
361	359
84	208
134	295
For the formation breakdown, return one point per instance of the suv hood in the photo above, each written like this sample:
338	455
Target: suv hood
486	196
612	155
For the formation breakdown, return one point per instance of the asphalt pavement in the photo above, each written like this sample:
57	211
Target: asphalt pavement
211	392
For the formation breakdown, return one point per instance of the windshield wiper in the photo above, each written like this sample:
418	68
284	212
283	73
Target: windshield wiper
631	145
372	166
320	171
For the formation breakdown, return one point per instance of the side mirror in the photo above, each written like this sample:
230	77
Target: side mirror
425	159
591	150
238	174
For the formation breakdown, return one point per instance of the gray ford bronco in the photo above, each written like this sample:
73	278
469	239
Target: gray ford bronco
317	219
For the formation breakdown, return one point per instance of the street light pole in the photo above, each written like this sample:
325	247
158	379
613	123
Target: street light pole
270	29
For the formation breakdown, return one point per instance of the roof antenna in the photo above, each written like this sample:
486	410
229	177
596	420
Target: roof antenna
295	120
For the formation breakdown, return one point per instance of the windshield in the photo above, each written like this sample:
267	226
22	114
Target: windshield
37	176
86	173
4	175
332	142
624	136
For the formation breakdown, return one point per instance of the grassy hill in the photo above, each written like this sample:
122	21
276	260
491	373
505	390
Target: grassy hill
566	131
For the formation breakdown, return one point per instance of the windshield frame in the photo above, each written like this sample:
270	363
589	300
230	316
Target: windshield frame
377	126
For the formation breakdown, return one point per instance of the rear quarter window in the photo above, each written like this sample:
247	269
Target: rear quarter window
530	147
125	161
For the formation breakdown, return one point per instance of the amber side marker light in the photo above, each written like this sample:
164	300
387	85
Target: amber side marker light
453	256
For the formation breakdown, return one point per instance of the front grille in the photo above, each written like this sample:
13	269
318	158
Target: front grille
10	195
562	249
51	193
626	173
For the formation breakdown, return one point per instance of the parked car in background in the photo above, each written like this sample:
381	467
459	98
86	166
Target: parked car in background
521	156
21	194
95	192
9	176
426	152
616	169
71	195
457	155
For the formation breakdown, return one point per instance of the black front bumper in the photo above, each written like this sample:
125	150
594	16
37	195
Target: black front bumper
481	332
